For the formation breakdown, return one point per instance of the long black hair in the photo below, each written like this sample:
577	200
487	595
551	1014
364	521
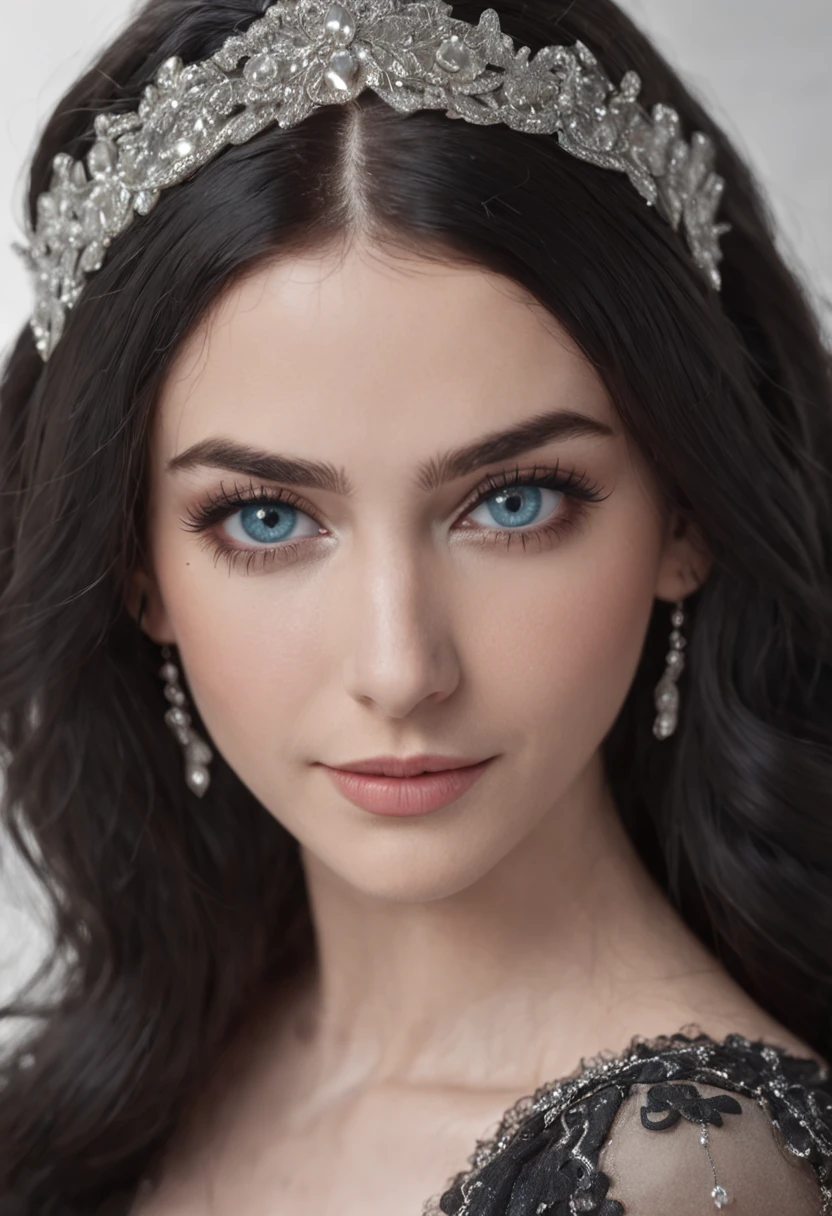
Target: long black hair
171	914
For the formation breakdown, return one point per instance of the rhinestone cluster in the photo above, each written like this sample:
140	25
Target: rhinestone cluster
303	54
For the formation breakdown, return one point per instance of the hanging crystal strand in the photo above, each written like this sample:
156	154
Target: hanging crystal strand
718	1193
666	695
197	752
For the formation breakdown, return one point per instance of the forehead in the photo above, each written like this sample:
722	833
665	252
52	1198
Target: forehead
373	348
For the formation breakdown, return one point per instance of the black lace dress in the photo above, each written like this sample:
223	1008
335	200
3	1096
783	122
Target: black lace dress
677	1125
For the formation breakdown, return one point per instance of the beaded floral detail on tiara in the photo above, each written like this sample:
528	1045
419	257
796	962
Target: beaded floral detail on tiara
302	54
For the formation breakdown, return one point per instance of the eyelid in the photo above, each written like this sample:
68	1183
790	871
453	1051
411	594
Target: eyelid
576	488
574	482
214	509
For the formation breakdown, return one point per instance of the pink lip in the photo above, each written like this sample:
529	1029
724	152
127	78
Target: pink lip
405	795
406	766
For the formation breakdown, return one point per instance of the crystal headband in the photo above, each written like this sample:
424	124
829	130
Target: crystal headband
302	54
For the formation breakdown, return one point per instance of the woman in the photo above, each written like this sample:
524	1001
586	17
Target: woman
379	436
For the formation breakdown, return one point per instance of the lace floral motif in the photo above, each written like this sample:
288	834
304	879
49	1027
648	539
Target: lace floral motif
685	1100
543	1158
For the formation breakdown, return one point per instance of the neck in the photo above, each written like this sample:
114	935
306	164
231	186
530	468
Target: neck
542	960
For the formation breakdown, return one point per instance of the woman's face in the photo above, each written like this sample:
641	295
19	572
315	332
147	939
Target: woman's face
382	609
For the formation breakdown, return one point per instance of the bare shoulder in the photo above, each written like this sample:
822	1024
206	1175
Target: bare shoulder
683	1144
683	1147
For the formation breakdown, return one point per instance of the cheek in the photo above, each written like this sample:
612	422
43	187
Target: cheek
558	643
253	649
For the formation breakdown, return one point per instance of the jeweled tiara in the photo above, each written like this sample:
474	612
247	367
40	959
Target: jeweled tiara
302	54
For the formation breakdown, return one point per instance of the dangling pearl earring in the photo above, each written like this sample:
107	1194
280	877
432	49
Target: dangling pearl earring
666	692
197	752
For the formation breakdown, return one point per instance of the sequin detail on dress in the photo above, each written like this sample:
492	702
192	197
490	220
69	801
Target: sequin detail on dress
543	1159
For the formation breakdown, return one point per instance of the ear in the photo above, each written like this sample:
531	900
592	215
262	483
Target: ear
685	560
154	620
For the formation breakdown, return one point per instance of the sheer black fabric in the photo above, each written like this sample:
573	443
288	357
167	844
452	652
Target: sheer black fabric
678	1125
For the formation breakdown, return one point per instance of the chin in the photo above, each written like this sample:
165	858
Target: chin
406	871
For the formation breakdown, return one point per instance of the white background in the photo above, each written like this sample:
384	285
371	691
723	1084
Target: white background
762	66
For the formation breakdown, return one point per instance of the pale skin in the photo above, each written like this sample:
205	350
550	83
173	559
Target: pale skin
471	954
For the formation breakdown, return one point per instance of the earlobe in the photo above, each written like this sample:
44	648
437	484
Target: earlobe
685	561
144	605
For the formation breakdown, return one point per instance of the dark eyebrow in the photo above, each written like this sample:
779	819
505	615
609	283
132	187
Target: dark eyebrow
431	474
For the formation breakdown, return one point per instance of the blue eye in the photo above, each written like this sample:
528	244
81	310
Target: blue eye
272	522
266	522
516	506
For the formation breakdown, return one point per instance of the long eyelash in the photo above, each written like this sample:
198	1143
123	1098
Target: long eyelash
217	507
576	484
